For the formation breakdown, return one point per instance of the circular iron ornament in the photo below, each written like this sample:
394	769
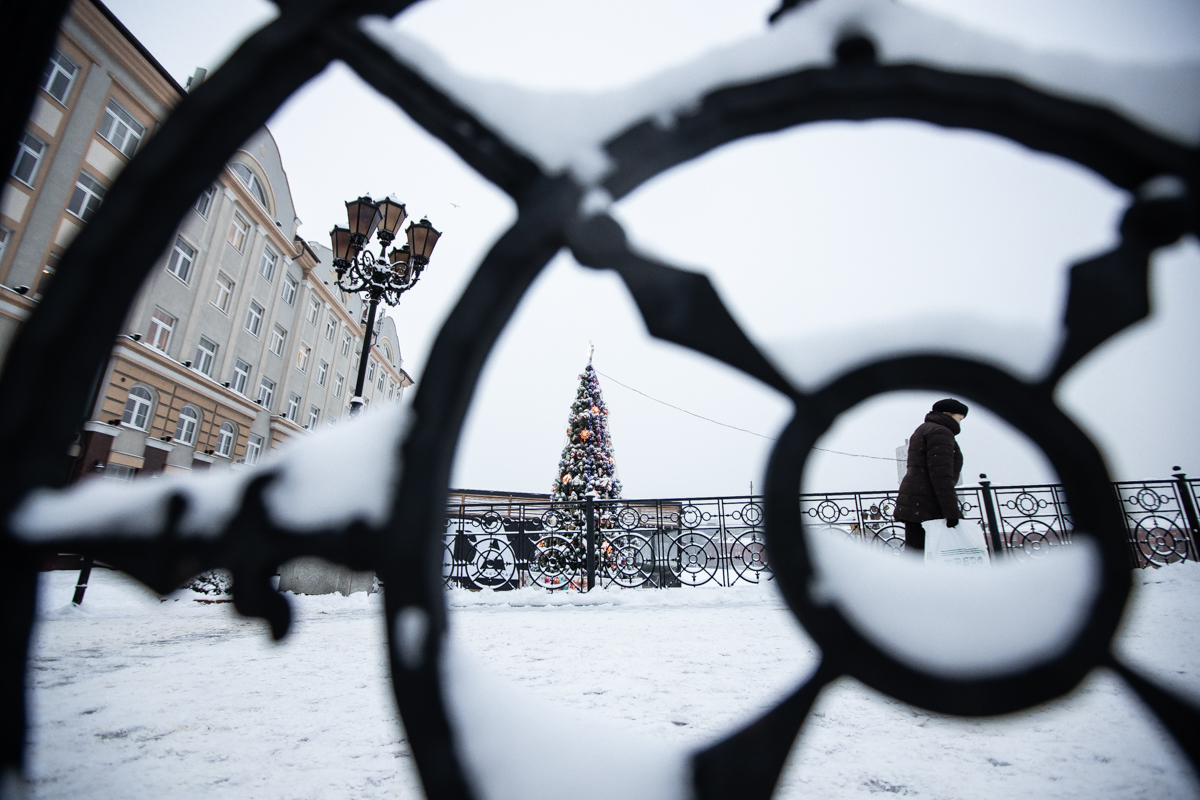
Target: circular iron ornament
628	560
554	562
693	558
491	522
1030	539
890	538
47	379
494	563
1084	478
749	557
628	518
691	517
751	514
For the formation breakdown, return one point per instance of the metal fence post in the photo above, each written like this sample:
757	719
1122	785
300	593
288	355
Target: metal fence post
81	585
990	509
1189	508
590	513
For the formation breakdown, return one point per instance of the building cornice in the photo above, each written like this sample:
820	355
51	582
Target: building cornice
106	29
150	358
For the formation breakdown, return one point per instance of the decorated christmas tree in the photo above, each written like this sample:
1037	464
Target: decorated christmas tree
587	459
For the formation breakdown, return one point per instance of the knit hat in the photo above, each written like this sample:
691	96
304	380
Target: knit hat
950	406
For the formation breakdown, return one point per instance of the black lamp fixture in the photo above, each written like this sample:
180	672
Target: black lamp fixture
384	277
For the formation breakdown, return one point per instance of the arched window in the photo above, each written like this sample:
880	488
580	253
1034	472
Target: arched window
227	439
189	423
137	408
387	351
251	181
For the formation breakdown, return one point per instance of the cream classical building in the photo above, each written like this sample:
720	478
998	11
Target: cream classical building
238	340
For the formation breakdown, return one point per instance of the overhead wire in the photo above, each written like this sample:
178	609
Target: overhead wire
734	427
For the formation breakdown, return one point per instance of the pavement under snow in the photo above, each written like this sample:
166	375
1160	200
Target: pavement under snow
136	697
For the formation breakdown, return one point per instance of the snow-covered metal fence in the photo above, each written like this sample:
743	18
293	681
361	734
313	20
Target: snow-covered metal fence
681	542
564	158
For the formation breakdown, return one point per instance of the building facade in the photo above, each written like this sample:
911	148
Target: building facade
239	340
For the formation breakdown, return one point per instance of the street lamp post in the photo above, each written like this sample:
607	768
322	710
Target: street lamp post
381	277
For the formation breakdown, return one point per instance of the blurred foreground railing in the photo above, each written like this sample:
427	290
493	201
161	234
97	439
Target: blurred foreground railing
509	544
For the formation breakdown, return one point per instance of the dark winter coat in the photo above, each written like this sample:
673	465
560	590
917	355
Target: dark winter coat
934	463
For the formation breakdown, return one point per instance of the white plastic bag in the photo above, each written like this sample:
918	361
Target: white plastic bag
963	545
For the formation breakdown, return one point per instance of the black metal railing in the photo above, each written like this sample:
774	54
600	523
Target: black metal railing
720	540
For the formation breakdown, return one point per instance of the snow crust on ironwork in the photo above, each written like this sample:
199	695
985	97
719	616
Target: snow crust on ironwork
326	480
959	622
566	131
1025	351
528	749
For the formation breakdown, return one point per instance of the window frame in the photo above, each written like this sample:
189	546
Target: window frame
87	194
226	439
293	407
291	289
237	231
303	357
244	374
250	181
116	116
322	372
266	266
25	149
222	294
180	256
143	403
331	326
314	418
255	311
278	340
266	387
346	346
201	353
156	329
339	380
314	310
186	433
207	196
53	68
254	444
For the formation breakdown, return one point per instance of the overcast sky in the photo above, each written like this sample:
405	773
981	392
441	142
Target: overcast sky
819	228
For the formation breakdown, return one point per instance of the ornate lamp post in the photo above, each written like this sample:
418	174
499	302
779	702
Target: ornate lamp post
381	277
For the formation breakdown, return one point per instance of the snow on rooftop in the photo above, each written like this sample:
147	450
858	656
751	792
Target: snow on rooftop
566	131
328	479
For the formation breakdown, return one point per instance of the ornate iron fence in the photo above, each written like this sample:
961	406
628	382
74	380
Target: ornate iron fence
720	540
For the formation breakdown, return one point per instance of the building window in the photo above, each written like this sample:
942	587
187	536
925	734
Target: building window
226	439
241	377
290	287
137	408
293	409
370	370
346	343
266	267
278	338
87	197
183	256
222	291
266	393
204	201
331	326
253	448
206	354
30	150
251	181
120	129
302	357
58	76
239	231
254	317
314	416
391	390
189	422
322	372
4	234
119	472
382	378
314	311
338	382
387	351
161	325
46	276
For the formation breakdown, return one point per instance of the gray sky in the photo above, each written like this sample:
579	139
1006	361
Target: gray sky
851	224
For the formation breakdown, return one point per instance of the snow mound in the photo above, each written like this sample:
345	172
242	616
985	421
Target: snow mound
955	622
709	596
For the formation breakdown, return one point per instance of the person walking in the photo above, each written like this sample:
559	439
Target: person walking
934	463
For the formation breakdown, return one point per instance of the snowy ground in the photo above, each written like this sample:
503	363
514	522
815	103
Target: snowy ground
134	697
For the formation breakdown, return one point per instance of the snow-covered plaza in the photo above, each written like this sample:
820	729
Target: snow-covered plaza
136	697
